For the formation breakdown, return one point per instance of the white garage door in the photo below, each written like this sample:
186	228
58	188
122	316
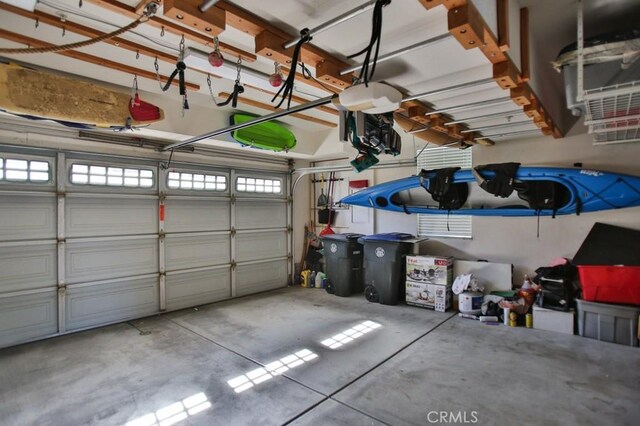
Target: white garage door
87	241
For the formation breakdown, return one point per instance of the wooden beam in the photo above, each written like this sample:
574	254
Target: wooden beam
466	25
269	41
19	38
449	4
503	24
143	3
298	99
491	49
521	94
269	107
173	28
310	81
212	21
55	21
506	74
524	44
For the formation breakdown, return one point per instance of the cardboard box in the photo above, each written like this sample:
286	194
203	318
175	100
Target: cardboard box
430	296
550	320
430	269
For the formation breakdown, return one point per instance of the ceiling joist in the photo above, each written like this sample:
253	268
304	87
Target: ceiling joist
470	29
269	107
73	27
30	41
175	28
269	39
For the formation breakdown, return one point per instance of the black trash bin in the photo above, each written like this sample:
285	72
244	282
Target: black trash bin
343	254
384	266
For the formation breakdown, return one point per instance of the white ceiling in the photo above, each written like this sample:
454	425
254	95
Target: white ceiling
405	22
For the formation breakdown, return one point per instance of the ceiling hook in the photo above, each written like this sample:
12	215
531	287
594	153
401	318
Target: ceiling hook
162	32
137	54
80	4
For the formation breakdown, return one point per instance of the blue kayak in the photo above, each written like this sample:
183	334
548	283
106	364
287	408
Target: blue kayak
543	191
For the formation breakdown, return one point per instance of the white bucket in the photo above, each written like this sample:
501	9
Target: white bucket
470	302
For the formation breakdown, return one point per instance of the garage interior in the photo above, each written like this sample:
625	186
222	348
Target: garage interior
158	259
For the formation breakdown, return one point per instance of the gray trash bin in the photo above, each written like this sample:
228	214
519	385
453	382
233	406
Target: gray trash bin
343	254
384	266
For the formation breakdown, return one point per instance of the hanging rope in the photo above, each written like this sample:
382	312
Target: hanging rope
366	73
147	14
287	87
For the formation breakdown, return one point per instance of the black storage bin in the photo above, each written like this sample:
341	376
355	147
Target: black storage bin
343	254
384	266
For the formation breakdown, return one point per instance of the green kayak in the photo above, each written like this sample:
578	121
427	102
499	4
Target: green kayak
269	135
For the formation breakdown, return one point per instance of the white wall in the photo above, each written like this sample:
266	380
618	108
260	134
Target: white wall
513	240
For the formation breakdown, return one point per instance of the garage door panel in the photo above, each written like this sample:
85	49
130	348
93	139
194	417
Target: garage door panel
105	303
197	215
260	214
184	252
197	288
260	277
99	260
89	217
28	317
27	267
260	245
24	217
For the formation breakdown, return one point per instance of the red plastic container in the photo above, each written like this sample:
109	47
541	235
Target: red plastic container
610	284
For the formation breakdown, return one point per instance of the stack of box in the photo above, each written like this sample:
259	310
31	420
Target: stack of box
429	281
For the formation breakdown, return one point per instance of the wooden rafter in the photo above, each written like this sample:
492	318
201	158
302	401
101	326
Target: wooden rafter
268	39
297	99
19	38
503	24
174	28
524	43
68	25
269	107
469	28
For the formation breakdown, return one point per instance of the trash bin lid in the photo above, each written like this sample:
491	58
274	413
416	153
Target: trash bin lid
342	237
391	236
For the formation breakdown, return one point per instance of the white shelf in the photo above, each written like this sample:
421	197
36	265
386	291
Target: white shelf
613	113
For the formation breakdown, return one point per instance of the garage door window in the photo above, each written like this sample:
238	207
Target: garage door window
19	170
85	174
259	185
196	181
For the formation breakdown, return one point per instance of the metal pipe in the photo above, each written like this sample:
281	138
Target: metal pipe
497	135
470	106
449	89
333	22
206	5
257	120
400	52
497	126
485	117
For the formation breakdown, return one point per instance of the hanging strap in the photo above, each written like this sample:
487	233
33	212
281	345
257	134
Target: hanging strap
233	97
439	183
287	88
179	71
501	184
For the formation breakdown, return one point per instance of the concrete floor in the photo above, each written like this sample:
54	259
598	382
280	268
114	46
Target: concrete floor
417	367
